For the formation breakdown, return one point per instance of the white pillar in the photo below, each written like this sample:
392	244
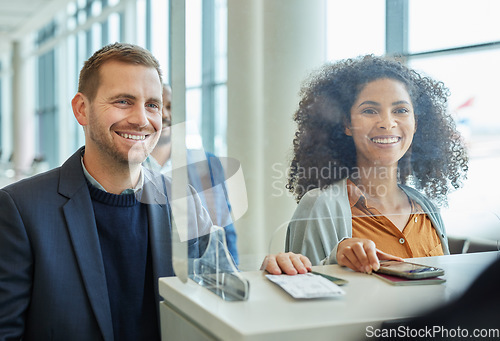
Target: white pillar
6	100
23	110
130	22
272	46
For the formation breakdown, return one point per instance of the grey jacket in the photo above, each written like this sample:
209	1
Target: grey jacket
323	219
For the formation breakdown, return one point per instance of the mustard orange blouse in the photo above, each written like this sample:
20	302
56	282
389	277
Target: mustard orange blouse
418	238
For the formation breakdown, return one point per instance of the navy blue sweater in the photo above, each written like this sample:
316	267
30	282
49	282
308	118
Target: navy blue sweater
122	225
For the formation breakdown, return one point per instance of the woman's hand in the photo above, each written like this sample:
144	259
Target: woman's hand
361	255
289	263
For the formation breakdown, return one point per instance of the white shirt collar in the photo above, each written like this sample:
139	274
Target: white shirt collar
96	184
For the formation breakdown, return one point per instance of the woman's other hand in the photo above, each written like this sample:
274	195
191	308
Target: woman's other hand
361	255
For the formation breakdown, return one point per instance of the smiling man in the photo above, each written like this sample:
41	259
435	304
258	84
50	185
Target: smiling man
122	120
83	245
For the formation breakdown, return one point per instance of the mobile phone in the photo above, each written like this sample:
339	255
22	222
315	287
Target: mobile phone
409	270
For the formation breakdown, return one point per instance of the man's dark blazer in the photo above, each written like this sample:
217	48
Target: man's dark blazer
52	280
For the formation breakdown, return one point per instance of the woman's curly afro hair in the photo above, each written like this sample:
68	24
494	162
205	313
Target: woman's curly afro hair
324	154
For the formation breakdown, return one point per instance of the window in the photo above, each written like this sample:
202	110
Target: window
355	28
158	42
454	42
76	32
205	64
444	24
87	25
461	49
46	126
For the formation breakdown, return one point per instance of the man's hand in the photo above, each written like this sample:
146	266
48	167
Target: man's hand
361	255
289	263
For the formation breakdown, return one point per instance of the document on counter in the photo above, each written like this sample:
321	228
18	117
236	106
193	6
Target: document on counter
308	285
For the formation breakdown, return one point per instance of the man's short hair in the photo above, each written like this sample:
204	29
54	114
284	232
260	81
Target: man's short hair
121	52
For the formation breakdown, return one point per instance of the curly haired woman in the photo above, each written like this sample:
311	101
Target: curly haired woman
375	153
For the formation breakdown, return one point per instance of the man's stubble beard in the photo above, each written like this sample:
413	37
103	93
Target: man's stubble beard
136	155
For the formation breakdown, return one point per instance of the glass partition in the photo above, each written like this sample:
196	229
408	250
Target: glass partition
239	85
237	69
207	193
271	53
207	196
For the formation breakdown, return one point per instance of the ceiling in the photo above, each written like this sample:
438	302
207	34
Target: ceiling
18	17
